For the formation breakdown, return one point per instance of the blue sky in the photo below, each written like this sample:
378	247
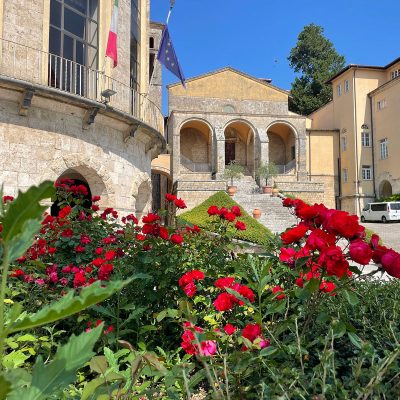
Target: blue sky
255	36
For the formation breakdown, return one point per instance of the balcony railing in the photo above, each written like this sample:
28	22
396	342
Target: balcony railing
38	67
287	168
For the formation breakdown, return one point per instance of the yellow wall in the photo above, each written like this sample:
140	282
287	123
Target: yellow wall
323	118
322	152
387	125
228	84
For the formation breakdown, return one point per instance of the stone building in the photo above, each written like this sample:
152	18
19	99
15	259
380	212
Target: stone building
65	112
227	115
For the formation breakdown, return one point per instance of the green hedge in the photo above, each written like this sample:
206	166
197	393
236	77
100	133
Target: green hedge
255	232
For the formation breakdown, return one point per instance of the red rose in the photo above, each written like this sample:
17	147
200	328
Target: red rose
213	210
85	239
95	199
333	260
79	279
229	329
278	289
294	234
147	229
180	203
223	283
190	289
67	233
105	271
99	250
95	207
236	211
163	233
140	237
344	224
391	263
224	302
327	287
240	226
16	273
299	282
51	250
149	218
79	249
7	198
97	262
196	274
177	239
360	252
247	293
287	254
170	197
251	332
65	211
288	202
229	216
109	255
319	239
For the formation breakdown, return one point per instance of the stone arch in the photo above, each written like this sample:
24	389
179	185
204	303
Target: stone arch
204	121
283	147
141	193
240	144
385	189
94	173
196	142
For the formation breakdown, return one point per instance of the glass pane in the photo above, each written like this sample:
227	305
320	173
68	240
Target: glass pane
92	57
80	53
55	41
80	5
93	7
92	33
68	50
55	13
74	23
135	29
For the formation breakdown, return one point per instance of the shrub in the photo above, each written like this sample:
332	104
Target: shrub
255	232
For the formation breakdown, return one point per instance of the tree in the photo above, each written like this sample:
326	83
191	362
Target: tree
316	59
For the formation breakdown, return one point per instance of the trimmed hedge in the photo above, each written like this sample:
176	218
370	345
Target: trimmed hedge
255	232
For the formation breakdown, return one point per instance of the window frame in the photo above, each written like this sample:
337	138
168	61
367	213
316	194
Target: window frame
384	148
366	173
339	90
343	143
364	136
346	85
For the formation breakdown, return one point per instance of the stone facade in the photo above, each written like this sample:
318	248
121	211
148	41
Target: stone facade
230	114
49	130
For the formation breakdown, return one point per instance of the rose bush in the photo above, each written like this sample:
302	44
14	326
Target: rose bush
205	317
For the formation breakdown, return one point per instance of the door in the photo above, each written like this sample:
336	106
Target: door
229	152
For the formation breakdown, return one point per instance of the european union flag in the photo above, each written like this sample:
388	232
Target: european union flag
167	56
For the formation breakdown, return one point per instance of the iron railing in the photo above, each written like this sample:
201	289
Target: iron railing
287	168
42	68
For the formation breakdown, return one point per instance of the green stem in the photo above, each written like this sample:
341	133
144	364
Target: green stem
4	272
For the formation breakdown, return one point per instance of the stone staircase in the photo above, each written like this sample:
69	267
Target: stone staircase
275	217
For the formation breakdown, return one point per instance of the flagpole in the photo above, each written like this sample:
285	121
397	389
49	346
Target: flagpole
172	3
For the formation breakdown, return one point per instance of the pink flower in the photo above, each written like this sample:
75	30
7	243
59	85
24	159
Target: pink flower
208	348
360	252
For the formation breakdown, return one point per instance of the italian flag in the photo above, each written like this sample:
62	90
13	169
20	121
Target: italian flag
111	50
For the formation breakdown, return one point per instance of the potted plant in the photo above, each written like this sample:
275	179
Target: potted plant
265	172
233	171
257	213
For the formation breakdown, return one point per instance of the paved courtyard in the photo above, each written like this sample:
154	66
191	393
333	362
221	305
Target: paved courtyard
389	233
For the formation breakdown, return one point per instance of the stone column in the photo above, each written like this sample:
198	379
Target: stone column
176	153
301	154
220	153
264	146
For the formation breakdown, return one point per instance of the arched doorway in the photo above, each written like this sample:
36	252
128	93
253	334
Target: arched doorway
385	189
72	178
239	145
282	147
196	146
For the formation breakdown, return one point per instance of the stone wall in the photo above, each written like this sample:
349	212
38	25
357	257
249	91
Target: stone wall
194	146
50	141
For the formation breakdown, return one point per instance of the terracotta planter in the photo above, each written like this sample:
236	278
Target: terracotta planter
256	213
267	189
231	190
275	192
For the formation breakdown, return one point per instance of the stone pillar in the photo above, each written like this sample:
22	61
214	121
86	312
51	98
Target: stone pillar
176	153
301	161
264	146
220	151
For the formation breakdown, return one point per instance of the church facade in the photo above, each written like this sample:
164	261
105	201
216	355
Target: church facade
227	116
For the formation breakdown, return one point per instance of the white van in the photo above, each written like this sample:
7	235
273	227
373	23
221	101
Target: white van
389	211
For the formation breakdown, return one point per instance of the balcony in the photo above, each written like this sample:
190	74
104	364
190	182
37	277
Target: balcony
37	67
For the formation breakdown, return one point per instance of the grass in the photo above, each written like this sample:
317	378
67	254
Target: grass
255	232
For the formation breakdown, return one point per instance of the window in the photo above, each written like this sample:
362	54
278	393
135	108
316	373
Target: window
379	207
345	174
344	143
366	172
135	45
365	139
381	104
346	85
384	148
339	90
151	42
73	36
395	74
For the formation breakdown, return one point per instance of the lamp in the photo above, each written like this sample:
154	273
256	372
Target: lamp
107	93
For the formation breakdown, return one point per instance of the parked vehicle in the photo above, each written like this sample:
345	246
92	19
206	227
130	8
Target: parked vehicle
388	211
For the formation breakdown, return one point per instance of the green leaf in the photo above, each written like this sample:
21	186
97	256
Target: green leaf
23	217
48	378
355	339
268	351
197	378
91	387
69	305
15	359
351	297
312	285
5	385
339	329
27	338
